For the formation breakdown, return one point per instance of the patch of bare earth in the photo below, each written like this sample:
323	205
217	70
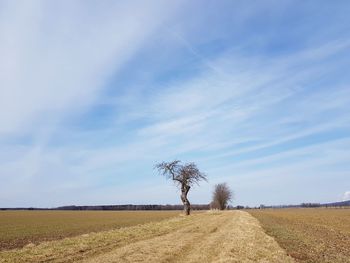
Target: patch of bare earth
309	234
232	236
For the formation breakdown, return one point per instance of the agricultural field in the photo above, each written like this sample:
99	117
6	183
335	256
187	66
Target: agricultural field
280	235
20	228
230	236
309	235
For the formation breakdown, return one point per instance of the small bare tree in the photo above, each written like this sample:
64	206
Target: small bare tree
185	176
222	195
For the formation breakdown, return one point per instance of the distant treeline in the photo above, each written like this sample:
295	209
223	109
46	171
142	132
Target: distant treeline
128	207
131	207
302	205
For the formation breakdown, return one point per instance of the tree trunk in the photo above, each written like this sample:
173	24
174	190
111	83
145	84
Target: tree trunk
186	203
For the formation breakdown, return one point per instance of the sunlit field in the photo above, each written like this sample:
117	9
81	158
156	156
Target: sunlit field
267	235
20	228
309	235
229	236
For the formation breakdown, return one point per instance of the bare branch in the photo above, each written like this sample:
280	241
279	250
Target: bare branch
185	175
191	174
170	170
222	195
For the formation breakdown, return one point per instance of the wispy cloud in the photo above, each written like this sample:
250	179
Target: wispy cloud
93	95
53	65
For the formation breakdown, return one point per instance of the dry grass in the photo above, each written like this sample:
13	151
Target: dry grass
18	228
309	235
232	236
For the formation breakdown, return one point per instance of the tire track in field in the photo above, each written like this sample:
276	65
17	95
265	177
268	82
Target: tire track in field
164	248
210	237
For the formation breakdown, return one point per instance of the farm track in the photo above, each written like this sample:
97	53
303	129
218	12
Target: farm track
232	236
221	237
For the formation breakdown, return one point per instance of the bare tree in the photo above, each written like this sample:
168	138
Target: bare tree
222	195
185	176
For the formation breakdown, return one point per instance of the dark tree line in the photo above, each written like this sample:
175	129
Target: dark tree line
130	207
127	207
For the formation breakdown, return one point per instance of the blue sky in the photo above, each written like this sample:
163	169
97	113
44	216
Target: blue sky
93	94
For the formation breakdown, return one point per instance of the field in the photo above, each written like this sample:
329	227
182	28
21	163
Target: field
309	235
230	236
280	235
19	228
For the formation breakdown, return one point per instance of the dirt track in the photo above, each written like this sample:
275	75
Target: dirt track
211	237
231	236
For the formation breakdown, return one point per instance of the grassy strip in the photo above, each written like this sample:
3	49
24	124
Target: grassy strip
230	236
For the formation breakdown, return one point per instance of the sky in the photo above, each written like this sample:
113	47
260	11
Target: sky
94	93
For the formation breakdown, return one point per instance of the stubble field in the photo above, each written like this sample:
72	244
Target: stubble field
20	228
309	235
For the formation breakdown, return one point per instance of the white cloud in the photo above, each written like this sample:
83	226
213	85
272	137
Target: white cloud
54	64
346	196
